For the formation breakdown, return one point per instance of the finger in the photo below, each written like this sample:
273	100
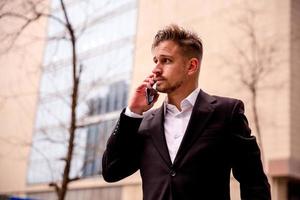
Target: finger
151	76
148	83
142	86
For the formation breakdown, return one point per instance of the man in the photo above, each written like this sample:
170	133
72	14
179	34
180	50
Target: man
185	149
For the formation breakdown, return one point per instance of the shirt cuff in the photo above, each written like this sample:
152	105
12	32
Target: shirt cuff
129	113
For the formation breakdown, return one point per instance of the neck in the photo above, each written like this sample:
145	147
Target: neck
179	94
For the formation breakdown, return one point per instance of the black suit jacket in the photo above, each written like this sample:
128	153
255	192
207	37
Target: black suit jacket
217	140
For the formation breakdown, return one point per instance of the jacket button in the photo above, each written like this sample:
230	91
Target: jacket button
173	173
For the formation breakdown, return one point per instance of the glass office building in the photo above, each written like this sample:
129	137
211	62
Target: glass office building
106	32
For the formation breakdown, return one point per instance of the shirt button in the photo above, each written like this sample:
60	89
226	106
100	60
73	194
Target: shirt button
173	173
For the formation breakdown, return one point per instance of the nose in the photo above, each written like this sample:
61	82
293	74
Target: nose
157	70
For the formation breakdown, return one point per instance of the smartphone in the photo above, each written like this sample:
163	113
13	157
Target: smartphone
151	93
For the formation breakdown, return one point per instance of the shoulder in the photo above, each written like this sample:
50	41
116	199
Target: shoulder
220	101
225	100
228	101
222	105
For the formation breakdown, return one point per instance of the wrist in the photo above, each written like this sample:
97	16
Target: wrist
129	113
136	110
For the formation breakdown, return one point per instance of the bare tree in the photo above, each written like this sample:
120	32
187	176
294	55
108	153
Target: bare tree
256	57
25	14
32	11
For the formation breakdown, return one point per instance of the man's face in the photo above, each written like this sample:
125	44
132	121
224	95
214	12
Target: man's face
171	70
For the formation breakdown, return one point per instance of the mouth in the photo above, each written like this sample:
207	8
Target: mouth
159	79
158	82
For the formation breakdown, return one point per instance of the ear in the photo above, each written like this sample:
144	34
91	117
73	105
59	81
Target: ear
193	66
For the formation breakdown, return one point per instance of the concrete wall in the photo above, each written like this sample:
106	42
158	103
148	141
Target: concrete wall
19	80
93	188
295	79
220	27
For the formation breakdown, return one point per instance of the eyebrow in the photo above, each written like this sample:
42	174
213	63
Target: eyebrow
163	55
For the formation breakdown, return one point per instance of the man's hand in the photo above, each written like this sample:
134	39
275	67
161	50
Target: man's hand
138	103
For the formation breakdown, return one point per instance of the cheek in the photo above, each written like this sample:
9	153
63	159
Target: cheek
180	72
176	69
174	72
176	77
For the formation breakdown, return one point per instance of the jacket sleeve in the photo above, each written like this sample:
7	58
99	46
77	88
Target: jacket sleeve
247	166
121	156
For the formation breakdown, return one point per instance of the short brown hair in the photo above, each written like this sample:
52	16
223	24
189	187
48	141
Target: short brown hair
189	41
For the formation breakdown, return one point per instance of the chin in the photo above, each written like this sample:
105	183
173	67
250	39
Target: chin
163	88
160	89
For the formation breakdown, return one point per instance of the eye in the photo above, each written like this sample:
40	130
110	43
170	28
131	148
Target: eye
155	60
166	60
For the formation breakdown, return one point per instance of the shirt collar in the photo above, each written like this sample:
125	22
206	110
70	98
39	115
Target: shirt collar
186	103
192	97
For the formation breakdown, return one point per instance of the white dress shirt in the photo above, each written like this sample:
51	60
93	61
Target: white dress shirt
175	122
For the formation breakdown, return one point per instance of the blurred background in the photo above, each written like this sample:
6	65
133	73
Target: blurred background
67	69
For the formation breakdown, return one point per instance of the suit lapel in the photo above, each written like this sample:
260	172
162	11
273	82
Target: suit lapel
201	114
158	134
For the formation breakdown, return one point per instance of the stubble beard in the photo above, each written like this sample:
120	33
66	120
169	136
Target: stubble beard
169	88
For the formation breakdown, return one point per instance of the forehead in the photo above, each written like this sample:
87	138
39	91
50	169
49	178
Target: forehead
167	47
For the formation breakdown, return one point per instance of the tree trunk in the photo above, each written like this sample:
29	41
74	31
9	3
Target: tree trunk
72	129
256	121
